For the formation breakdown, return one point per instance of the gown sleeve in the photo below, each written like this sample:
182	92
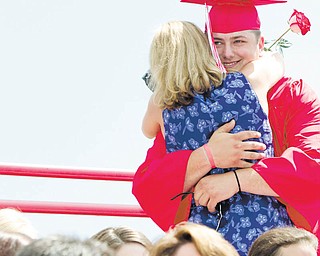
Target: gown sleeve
294	174
159	179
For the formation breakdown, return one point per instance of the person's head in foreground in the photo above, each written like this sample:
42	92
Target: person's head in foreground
60	245
190	239
287	241
124	241
11	242
15	221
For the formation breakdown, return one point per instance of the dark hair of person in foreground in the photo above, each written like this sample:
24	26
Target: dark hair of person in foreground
59	245
11	242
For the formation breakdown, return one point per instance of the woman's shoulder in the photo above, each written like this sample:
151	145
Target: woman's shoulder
235	80
235	75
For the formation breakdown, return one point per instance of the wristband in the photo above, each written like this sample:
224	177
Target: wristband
209	155
235	173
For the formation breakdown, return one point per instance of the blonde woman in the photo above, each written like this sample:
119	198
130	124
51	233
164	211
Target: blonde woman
191	100
182	65
194	240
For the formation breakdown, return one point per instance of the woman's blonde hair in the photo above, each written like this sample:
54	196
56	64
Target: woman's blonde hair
206	240
181	63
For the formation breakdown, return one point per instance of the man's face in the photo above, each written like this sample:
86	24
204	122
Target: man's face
238	48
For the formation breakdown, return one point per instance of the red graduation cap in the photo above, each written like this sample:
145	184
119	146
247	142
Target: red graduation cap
227	16
233	18
234	2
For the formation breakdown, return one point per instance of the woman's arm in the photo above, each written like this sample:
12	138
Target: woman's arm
152	120
265	71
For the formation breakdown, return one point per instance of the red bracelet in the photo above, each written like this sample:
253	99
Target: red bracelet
209	155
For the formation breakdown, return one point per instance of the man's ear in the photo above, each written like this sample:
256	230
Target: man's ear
261	43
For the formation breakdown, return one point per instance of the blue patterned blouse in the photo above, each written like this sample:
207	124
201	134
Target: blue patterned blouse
243	217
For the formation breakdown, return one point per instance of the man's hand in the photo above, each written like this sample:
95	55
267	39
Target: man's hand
215	188
229	150
212	189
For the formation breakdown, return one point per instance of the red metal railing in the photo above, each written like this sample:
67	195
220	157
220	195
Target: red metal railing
70	207
68	173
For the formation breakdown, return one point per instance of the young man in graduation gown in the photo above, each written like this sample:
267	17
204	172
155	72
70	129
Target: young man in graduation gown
293	175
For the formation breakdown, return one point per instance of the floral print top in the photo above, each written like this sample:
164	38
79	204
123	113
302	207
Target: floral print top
243	217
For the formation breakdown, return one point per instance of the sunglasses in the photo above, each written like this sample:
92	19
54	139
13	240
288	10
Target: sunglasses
147	78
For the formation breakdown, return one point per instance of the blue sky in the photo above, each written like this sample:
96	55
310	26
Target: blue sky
72	94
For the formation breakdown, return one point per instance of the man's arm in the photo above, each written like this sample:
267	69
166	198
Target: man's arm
295	173
228	150
163	176
213	189
265	71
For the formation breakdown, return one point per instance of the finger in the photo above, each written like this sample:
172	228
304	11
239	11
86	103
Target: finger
212	206
203	200
245	135
200	197
227	127
252	155
196	197
197	202
252	145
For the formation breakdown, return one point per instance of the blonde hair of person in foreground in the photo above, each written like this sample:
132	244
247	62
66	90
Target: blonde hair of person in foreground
190	239
124	240
14	221
286	241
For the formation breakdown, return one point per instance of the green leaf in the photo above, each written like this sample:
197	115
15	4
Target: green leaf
285	43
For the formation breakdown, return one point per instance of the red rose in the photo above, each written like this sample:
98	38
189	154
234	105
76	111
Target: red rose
299	23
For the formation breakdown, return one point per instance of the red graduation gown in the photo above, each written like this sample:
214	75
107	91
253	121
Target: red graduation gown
294	172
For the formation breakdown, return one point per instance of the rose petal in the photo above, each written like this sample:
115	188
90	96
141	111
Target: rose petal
295	28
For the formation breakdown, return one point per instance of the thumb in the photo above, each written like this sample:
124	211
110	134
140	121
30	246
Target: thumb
227	127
